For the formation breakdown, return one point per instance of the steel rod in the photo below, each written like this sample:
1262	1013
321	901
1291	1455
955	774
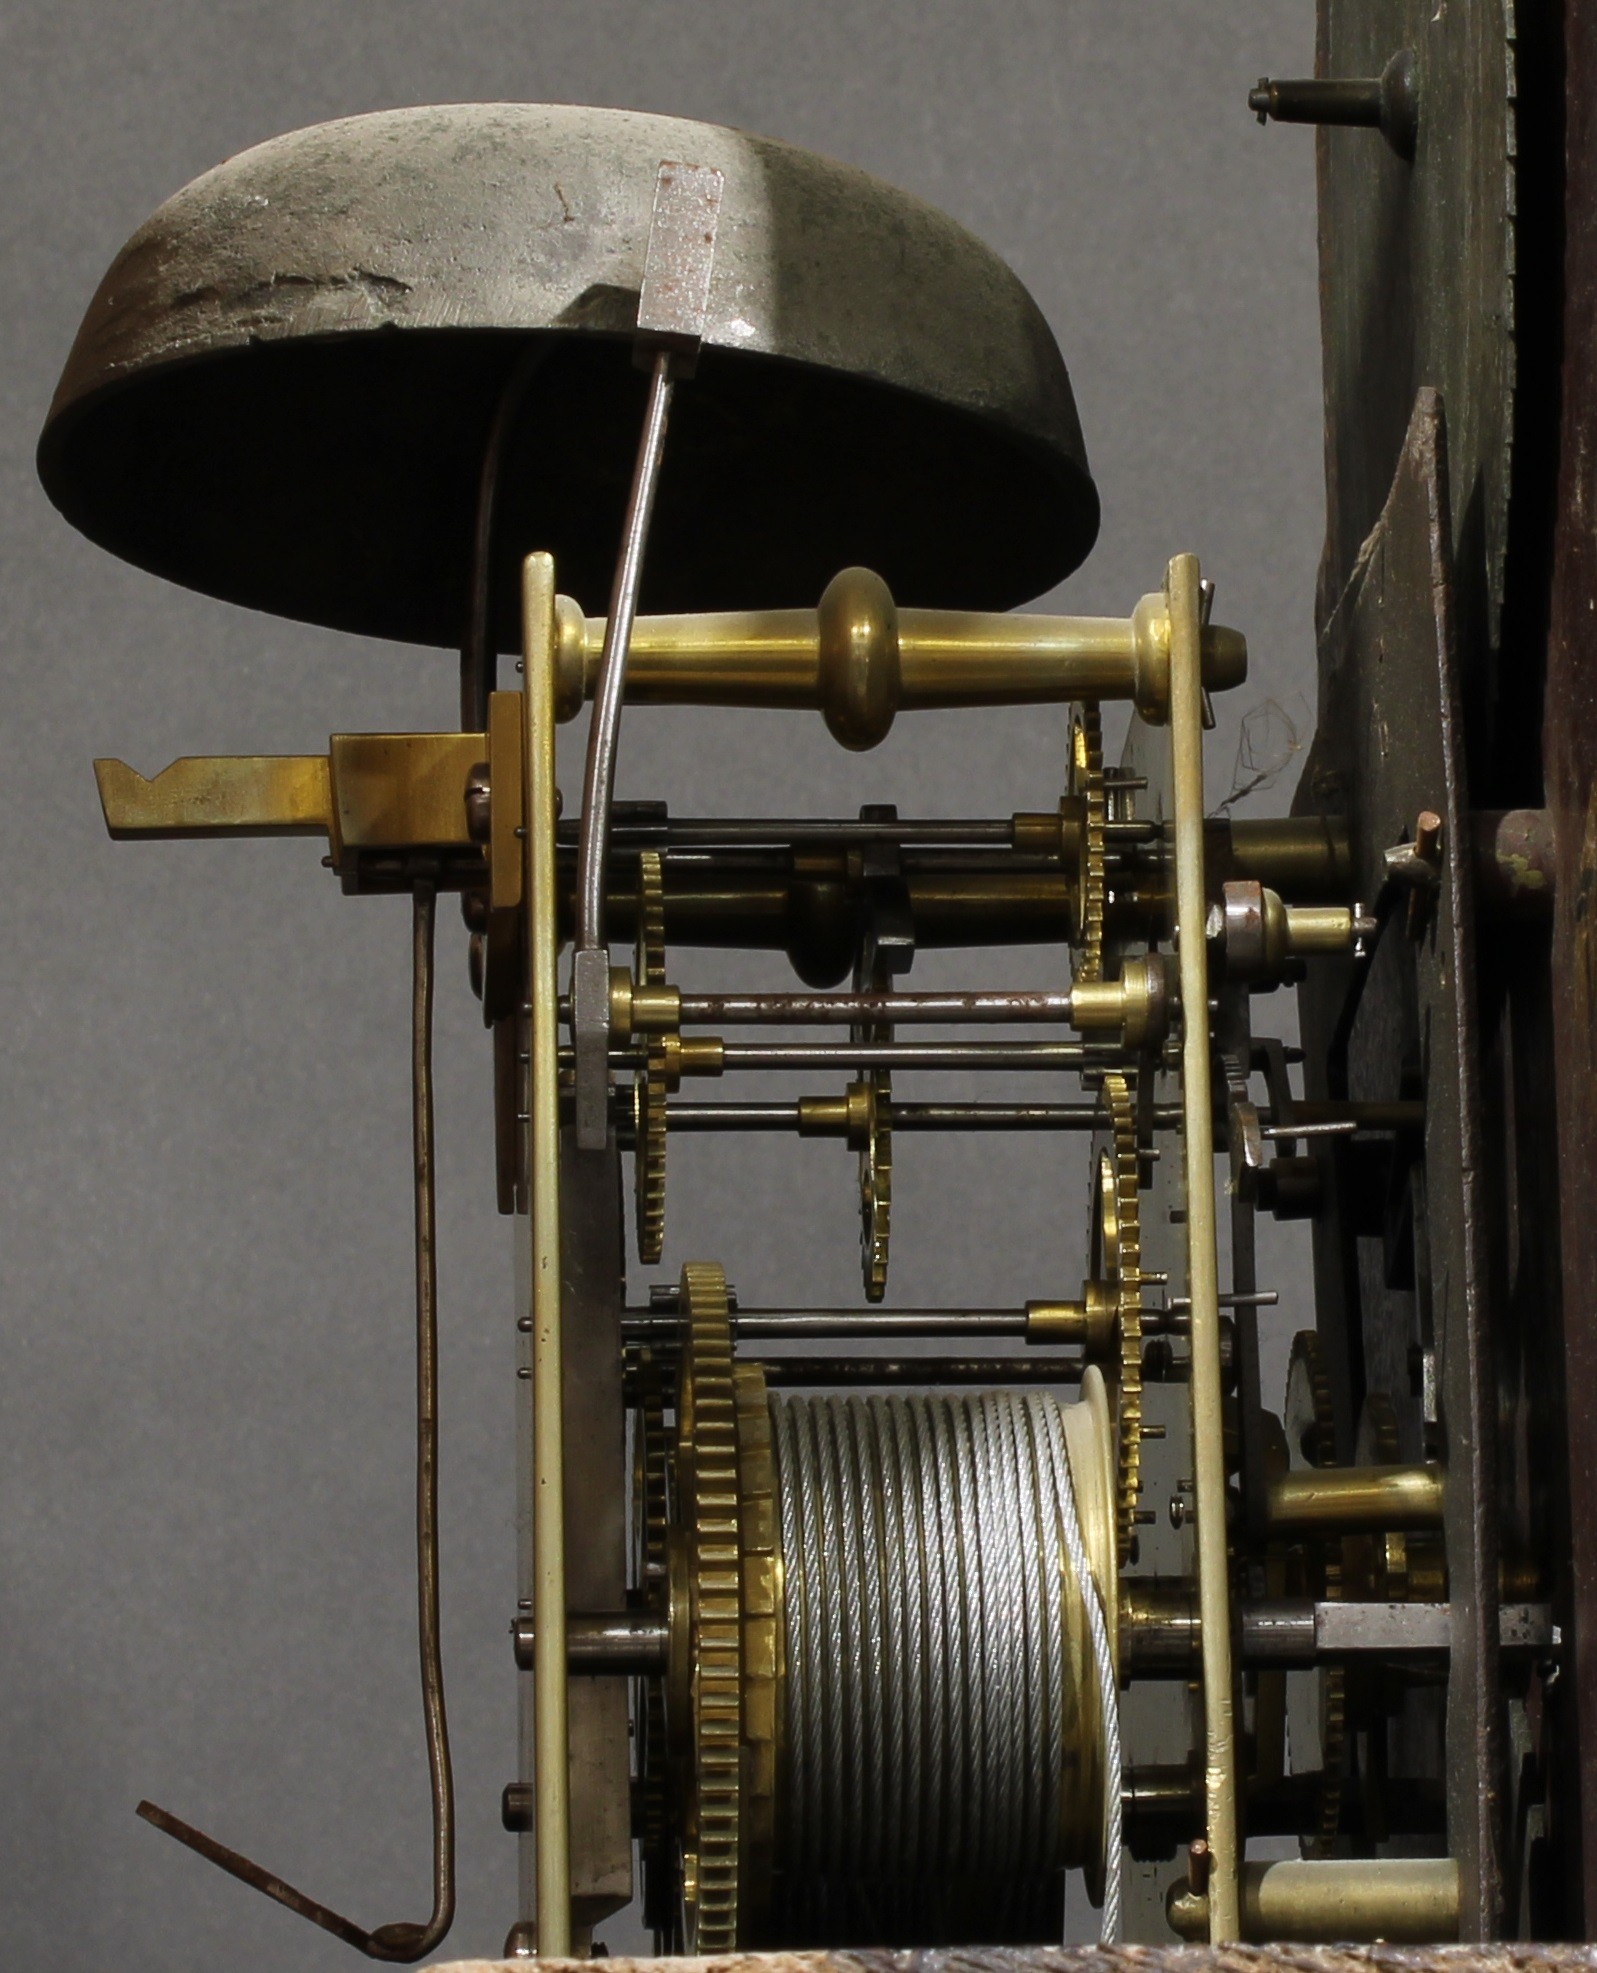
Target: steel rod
905	1116
822	1372
917	1055
977	1325
552	1771
779	832
839	1009
836	1324
618	1643
997	1116
1299	1632
1355	102
715	833
598	782
1257	1298
1168	1801
731	1116
663	1325
1208	1417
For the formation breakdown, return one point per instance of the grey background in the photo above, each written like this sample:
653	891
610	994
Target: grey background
206	1378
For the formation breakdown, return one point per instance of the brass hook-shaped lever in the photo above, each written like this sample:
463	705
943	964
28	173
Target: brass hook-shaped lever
403	1942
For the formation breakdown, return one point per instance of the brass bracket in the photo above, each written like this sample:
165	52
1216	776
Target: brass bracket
382	800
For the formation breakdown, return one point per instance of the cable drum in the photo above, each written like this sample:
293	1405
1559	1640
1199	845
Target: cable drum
943	1747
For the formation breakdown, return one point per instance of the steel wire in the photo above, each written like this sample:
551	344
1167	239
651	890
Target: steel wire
404	1941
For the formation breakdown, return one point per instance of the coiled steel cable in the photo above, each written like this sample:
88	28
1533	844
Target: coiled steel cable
925	1541
1108	1687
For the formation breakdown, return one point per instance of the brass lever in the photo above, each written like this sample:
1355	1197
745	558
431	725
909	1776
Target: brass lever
218	795
370	792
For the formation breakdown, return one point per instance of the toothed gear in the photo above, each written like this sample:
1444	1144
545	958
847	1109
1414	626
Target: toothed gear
662	1892
649	945
707	1482
651	1084
1087	781
1317	1440
649	1089
1307	1372
1120	1258
760	1576
876	1183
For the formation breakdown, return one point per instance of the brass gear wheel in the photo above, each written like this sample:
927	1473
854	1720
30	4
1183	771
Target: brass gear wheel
875	1094
1117	1264
649	1089
1309	1380
1088	783
726	1490
651	1515
1317	1436
761	1571
707	1485
651	1083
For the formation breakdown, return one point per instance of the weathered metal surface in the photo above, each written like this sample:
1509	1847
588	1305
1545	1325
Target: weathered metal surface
1474	271
594	1262
1109	1959
1515	863
1390	746
1417	281
596	1496
282	392
1570	764
680	258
